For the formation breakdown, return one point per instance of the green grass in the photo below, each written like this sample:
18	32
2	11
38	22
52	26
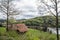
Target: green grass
32	34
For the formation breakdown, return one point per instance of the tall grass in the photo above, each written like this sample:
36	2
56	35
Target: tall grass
31	34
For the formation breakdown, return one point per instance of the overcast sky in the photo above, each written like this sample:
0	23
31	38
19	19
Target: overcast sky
29	8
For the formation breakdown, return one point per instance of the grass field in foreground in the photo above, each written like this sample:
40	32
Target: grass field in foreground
32	34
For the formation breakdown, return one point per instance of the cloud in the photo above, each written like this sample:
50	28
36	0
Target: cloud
28	8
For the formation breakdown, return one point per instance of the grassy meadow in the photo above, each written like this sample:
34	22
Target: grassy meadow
31	34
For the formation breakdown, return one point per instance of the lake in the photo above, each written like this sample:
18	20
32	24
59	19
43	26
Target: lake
54	30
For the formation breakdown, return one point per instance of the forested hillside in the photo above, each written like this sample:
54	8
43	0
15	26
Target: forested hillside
40	21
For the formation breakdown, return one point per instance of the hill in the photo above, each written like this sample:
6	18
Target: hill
41	21
2	20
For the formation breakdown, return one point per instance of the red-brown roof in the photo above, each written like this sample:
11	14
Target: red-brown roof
22	27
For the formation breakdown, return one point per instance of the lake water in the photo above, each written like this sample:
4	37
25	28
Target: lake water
54	30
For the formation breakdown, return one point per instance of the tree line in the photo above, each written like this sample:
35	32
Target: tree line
41	21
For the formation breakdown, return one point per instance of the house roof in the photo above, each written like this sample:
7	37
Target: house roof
22	27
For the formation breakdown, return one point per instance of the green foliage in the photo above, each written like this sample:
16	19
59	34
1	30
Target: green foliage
32	22
2	31
50	21
31	34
